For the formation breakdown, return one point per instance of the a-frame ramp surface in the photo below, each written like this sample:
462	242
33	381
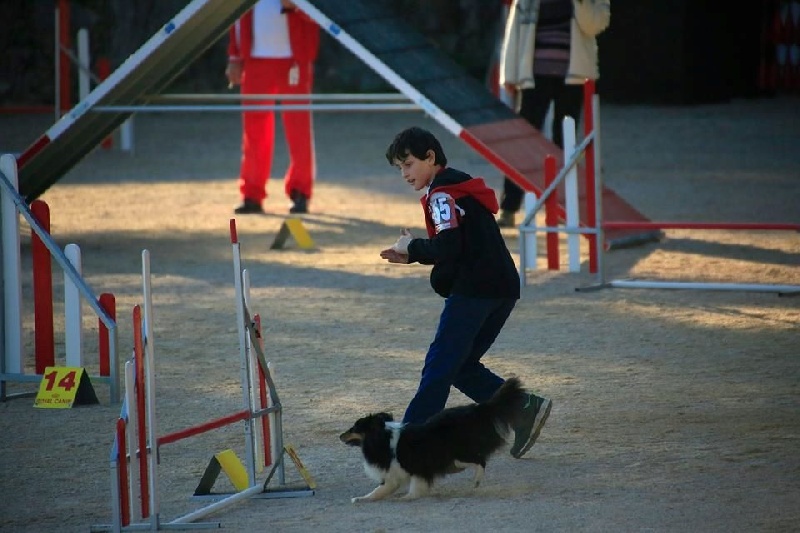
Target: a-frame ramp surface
373	31
368	28
147	71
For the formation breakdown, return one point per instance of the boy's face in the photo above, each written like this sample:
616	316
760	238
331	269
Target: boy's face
418	172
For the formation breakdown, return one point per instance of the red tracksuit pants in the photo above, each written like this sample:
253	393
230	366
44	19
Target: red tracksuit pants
275	76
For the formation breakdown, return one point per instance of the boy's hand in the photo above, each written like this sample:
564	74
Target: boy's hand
394	257
234	73
398	253
401	246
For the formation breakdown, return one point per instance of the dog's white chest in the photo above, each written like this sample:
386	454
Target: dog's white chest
374	473
395	474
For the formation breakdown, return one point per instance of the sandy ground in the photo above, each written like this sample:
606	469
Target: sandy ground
673	410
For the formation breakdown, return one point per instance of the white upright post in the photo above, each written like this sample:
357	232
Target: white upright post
252	384
12	286
130	435
530	247
73	316
243	346
84	62
126	135
571	200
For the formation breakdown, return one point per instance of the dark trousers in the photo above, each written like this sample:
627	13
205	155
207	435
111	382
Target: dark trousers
567	101
467	328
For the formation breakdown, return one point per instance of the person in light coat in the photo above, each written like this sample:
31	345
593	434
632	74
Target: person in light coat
549	50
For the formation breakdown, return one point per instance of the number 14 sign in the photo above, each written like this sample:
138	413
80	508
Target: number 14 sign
64	386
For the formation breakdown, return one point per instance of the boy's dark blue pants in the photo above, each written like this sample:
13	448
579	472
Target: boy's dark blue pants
467	328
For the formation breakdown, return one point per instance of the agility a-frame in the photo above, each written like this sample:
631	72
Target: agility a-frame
370	30
147	71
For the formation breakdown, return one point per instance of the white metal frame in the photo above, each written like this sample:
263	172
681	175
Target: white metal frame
528	230
251	356
11	367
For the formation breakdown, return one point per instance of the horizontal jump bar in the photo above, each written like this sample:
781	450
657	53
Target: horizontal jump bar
751	287
702	225
367	97
214	424
202	428
254	107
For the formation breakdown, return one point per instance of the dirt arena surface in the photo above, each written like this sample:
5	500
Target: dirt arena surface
673	410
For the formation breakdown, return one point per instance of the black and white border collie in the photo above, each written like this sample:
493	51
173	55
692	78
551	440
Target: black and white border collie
397	454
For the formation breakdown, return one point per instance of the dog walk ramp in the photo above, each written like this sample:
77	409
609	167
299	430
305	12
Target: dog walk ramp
147	71
372	30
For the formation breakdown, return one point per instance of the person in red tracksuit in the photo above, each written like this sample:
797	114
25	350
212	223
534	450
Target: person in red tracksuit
271	50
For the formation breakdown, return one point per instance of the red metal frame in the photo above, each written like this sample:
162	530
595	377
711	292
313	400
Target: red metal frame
591	206
44	345
202	428
109	305
141	413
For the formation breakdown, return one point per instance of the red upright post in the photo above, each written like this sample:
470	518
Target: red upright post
44	346
141	413
64	63
109	305
551	213
262	394
591	207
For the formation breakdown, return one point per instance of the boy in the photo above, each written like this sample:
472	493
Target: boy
472	269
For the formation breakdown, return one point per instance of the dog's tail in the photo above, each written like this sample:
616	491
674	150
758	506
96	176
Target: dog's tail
506	403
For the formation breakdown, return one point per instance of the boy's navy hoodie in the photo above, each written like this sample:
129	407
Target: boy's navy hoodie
464	244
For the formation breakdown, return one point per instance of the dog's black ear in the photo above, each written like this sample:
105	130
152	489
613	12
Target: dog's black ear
385	417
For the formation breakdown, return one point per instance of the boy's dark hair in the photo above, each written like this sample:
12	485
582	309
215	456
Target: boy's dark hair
415	141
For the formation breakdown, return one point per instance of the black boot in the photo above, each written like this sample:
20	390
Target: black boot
299	203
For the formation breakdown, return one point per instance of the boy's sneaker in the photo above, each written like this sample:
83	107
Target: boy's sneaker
534	415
